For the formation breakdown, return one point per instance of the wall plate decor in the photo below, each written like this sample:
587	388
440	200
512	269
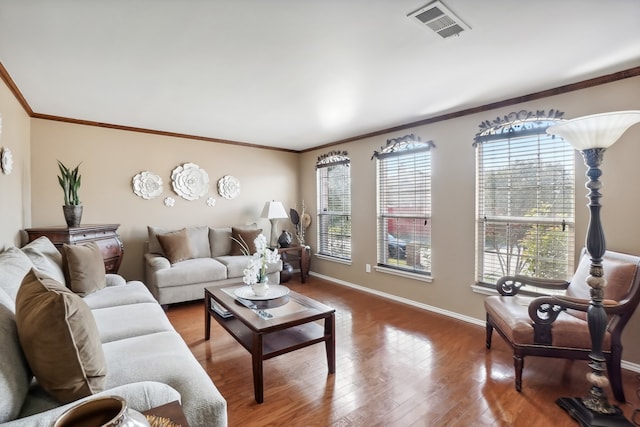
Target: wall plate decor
147	185
169	202
189	181
6	161
211	202
228	187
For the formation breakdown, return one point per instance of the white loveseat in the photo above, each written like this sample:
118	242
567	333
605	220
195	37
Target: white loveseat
212	262
147	362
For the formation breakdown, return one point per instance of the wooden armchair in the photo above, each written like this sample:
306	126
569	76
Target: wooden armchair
556	326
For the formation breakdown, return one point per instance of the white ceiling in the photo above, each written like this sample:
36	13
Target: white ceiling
296	74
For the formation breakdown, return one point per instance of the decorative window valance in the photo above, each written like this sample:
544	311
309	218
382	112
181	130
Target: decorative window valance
333	158
397	146
517	124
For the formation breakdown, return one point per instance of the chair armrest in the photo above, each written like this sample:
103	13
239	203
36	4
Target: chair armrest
545	310
510	285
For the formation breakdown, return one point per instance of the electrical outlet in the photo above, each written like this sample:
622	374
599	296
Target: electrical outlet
367	268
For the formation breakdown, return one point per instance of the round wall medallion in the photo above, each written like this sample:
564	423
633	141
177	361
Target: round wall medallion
189	181
169	202
228	187
6	161
147	185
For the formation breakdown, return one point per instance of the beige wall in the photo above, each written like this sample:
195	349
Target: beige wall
15	187
111	158
453	186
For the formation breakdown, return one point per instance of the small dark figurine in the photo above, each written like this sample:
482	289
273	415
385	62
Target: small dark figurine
285	239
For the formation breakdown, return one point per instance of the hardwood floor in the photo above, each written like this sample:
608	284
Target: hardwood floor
396	365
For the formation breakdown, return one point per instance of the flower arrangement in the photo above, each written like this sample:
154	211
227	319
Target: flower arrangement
256	271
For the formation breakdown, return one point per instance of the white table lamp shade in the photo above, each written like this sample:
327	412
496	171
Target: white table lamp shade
274	210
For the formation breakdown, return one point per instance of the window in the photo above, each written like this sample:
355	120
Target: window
525	199
333	178
404	204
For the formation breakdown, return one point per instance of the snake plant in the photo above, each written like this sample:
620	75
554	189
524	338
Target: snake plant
70	182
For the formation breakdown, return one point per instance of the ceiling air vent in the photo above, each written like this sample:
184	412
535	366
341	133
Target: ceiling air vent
439	19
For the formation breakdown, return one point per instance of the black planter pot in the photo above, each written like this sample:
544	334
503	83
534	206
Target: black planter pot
72	215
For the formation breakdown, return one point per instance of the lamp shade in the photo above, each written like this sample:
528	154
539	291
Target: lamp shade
595	131
274	210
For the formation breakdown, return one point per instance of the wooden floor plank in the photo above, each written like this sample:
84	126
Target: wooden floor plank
396	365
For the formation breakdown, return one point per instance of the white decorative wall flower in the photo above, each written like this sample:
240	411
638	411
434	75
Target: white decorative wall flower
189	181
211	202
6	161
228	187
169	202
147	185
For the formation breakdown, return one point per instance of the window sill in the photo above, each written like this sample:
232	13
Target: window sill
330	258
406	274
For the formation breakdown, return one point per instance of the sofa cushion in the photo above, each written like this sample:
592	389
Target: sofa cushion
176	245
220	241
197	270
242	240
84	268
198	237
15	265
45	257
59	338
126	321
14	371
133	292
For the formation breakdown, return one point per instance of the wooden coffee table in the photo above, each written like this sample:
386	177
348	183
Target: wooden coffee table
292	326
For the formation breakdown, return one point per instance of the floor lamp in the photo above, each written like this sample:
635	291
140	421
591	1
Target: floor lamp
274	211
592	135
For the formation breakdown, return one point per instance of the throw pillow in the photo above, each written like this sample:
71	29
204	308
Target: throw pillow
14	265
59	338
176	245
246	238
84	268
45	257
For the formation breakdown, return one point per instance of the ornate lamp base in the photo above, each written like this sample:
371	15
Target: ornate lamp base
588	418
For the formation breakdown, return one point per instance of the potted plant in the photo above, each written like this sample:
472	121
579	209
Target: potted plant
70	180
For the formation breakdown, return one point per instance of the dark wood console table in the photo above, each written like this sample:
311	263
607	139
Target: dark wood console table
104	235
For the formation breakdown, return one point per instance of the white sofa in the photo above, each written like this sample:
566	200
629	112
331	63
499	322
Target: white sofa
147	361
211	263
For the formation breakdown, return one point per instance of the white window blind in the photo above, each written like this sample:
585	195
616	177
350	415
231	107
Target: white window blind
333	176
525	212
404	204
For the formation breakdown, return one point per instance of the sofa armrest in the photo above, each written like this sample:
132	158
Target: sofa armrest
140	396
115	280
156	262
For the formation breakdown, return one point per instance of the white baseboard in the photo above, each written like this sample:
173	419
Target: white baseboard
634	367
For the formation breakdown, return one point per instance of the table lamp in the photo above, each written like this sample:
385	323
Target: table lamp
274	211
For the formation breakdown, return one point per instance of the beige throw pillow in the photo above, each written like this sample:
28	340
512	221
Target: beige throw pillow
246	237
59	338
84	268
176	245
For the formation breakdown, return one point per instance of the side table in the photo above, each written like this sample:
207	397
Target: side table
304	258
104	235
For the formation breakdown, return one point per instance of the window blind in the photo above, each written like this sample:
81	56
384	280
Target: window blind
404	205
333	176
525	211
